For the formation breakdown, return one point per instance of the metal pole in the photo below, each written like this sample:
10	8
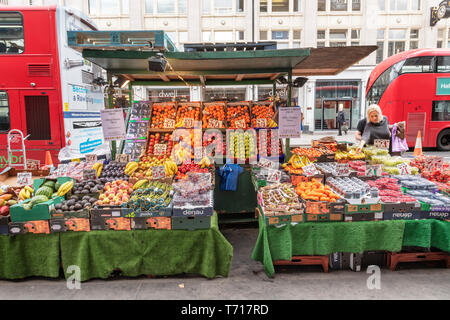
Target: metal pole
288	141
111	106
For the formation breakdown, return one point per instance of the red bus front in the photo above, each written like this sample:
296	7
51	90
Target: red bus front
405	86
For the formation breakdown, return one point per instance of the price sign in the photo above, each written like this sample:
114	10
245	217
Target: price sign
373	170
169	123
188	122
404	169
273	175
310	170
91	157
265	163
261	123
33	164
160	149
123	158
342	169
239	124
381	143
158	172
214	123
24	179
433	162
89	174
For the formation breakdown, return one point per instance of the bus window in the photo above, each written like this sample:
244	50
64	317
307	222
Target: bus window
443	64
383	81
418	65
4	112
441	111
11	33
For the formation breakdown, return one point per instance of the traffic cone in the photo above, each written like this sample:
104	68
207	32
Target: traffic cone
418	147
48	159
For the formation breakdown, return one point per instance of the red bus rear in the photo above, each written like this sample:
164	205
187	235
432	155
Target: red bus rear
414	86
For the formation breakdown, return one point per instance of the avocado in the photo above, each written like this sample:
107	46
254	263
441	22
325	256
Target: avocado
72	208
65	208
78	206
58	206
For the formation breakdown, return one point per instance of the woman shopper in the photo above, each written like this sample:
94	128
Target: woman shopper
377	127
340	119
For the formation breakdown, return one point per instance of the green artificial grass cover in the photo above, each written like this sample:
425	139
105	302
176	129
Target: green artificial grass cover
147	252
29	255
427	234
323	238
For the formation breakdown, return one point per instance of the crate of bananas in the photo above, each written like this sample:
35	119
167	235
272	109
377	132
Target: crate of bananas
150	199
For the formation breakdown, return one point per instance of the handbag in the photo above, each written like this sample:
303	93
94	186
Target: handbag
344	126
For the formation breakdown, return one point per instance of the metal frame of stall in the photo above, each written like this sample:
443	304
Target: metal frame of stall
130	60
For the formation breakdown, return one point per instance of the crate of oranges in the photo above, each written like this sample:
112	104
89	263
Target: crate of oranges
187	114
164	115
262	113
238	115
213	115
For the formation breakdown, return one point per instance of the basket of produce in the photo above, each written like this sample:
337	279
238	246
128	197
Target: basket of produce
164	115
187	114
238	115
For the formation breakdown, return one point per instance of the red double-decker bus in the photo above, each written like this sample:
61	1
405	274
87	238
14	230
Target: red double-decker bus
46	88
414	86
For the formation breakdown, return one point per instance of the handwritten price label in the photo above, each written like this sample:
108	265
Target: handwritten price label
373	170
169	123
342	169
404	169
265	163
381	143
89	174
239	124
123	158
33	164
432	163
158	172
188	122
91	157
273	175
24	179
214	123
261	123
310	170
160	149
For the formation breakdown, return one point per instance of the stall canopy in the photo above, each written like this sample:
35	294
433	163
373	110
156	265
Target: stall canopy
121	56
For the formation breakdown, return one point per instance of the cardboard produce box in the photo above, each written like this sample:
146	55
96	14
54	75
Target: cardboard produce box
4	222
159	223
69	224
40	211
191	223
40	226
110	223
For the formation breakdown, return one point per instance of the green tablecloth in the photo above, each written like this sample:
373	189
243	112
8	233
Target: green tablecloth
281	243
29	255
98	253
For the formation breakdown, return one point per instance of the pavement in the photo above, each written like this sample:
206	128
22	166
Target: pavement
247	281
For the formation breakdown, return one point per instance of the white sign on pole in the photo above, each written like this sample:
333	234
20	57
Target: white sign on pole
290	123
113	124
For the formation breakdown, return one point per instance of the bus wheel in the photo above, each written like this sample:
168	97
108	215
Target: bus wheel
443	140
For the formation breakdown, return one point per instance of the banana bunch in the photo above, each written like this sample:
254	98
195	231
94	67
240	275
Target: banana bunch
98	167
298	162
171	168
272	124
65	187
140	184
131	167
26	193
205	163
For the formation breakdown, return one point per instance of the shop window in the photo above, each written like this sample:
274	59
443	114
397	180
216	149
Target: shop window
11	33
418	65
239	35
441	111
321	34
263	35
443	64
280	5
297	34
321	5
239	5
263	5
338	5
297	5
5	123
356	34
37	117
280	35
356	5
165	6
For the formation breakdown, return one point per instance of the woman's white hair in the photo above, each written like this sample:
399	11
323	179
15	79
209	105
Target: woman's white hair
372	108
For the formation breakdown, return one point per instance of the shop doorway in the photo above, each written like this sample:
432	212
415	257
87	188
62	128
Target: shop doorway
330	110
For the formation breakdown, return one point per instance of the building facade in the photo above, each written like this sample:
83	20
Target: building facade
392	25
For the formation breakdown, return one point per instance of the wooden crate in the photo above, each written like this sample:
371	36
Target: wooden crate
305	261
393	258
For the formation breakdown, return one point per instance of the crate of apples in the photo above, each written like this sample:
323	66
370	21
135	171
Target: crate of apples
160	139
164	115
213	115
116	193
187	114
238	115
212	138
262	114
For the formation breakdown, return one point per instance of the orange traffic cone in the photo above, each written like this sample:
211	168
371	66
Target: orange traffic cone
418	147
48	159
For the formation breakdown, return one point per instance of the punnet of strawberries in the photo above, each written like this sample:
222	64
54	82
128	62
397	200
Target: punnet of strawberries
390	190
